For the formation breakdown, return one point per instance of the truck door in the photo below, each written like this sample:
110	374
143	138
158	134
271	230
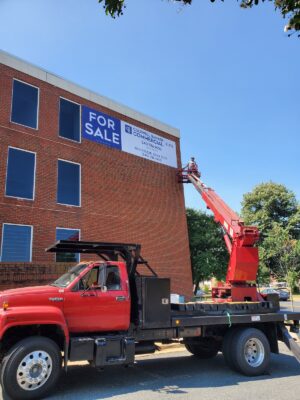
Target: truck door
90	309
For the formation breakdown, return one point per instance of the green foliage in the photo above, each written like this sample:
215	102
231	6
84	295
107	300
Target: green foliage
275	211
270	203
113	7
292	280
288	8
263	275
206	289
281	253
209	255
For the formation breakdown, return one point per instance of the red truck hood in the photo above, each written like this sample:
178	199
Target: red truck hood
31	296
30	290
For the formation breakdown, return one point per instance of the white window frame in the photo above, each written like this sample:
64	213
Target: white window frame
31	239
63	204
38	104
67	229
34	174
62	137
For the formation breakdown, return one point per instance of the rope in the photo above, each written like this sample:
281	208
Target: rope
229	318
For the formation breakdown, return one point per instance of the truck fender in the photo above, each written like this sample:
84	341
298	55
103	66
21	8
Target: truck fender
37	315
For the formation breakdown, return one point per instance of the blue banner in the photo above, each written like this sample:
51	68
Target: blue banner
101	128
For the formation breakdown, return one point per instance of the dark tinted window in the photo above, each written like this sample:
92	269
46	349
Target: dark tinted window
24	104
20	174
16	243
69	118
67	234
68	186
113	281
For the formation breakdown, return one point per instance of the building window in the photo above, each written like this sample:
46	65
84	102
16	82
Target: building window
68	185
69	120
16	243
24	108
67	234
20	174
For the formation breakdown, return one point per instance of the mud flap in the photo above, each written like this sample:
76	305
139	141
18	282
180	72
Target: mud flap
289	341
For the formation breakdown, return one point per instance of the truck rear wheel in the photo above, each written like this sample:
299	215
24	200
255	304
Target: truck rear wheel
227	347
31	368
204	348
250	351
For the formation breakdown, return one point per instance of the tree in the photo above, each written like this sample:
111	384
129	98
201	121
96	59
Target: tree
209	255
282	251
288	8
275	211
270	203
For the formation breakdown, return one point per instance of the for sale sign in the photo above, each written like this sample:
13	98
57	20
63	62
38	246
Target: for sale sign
101	128
109	131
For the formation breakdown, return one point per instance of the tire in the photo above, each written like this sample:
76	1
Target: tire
203	349
250	352
227	347
25	369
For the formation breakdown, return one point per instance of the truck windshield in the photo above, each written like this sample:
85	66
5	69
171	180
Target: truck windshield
68	277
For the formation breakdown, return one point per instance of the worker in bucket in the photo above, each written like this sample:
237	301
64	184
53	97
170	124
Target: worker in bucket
192	167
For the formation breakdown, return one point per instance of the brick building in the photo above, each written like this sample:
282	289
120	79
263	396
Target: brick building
77	165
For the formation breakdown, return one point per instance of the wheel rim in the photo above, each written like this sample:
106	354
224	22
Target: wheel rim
34	370
254	352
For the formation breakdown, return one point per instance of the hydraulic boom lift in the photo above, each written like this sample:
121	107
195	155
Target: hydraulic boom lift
240	241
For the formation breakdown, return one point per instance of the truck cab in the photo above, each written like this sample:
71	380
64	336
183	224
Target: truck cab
84	298
90	291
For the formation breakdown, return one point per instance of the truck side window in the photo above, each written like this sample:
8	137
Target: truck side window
93	277
89	279
113	281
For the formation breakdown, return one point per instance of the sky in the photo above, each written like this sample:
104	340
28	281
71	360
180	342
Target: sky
228	78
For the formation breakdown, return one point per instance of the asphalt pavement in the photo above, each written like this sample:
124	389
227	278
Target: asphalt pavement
178	375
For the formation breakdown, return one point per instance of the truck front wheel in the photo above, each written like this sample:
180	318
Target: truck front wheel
250	351
204	348
31	368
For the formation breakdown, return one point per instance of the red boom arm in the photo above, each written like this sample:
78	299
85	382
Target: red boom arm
240	241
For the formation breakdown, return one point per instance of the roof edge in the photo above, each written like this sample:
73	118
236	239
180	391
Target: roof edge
62	83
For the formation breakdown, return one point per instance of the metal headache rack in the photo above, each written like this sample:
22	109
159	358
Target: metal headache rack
129	252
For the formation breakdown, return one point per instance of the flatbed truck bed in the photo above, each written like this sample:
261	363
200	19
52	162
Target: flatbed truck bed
189	319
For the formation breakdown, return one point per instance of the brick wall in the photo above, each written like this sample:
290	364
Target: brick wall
123	197
14	275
